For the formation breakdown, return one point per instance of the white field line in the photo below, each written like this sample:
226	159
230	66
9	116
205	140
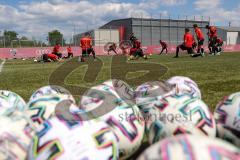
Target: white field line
1	65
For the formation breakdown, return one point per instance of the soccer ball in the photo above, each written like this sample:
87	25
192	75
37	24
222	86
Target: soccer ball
185	85
62	139
148	94
179	114
228	118
15	103
15	136
51	90
125	120
191	147
42	108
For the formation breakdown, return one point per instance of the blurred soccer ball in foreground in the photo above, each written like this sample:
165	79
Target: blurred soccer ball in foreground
227	115
15	136
62	139
185	85
179	114
10	103
104	103
191	147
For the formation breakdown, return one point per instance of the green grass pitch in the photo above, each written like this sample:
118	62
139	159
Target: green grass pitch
217	76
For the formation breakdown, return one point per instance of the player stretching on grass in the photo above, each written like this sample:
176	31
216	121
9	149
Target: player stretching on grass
56	50
212	34
219	45
187	44
200	39
113	48
136	51
86	45
164	46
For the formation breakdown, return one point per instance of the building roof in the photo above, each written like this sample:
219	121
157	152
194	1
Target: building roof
229	29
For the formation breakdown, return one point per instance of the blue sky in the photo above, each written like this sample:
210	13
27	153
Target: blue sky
34	18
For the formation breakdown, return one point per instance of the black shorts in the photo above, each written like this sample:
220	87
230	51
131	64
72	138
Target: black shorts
139	52
200	42
184	48
87	52
213	42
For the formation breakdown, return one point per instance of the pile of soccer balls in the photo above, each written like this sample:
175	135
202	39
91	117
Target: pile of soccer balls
157	120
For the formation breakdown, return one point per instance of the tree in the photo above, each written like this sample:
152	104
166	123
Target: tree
9	36
54	37
24	38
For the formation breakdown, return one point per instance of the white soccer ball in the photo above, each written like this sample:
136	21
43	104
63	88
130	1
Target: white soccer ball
191	147
15	103
179	114
62	139
227	116
148	94
42	108
185	85
51	90
35	60
102	102
15	136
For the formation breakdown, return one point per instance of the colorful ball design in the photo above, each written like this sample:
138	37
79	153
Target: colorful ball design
15	136
179	114
15	103
185	85
51	90
191	147
125	120
42	108
227	116
61	139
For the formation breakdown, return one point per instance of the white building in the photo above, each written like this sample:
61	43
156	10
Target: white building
230	35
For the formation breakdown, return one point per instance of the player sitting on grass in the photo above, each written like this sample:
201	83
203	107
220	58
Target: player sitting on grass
70	53
212	34
187	44
164	46
56	50
113	48
136	51
86	45
219	45
200	39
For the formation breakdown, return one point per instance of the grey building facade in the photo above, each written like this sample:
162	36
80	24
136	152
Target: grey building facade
150	31
230	35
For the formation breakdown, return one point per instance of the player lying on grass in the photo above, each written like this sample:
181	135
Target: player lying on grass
136	51
212	35
48	58
56	50
187	45
164	46
86	45
200	39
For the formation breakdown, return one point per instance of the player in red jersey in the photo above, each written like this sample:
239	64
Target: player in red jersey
200	39
136	51
187	44
56	50
212	34
70	52
164	46
86	45
49	58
